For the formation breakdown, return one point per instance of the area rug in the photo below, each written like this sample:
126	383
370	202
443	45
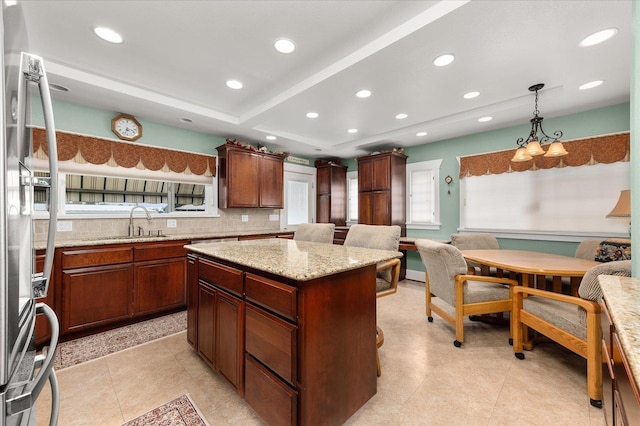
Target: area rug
178	412
84	349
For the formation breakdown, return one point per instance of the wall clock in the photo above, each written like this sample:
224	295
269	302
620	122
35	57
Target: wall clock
126	127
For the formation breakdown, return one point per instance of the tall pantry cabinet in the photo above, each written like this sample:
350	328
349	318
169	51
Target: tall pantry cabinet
381	189
331	191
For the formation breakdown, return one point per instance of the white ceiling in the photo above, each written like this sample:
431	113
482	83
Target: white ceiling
177	56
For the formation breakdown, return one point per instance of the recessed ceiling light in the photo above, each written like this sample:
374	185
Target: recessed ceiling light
599	37
9	3
312	115
590	85
284	45
471	95
485	119
234	84
401	116
108	34
364	93
443	60
58	87
352	130
270	138
421	134
185	120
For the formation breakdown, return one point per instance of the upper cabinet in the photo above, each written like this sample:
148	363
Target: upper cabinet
331	206
381	189
249	178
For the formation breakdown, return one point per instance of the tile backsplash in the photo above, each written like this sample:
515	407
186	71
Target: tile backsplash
230	220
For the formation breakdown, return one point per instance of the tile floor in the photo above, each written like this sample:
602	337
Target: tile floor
425	379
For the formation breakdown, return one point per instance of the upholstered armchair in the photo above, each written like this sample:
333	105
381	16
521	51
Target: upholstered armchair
573	322
315	232
453	294
476	241
379	237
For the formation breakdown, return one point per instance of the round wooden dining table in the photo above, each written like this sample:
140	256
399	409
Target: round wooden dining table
534	267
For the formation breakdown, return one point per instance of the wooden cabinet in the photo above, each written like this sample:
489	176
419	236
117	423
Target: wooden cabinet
105	285
192	300
381	189
331	192
159	277
621	394
283	344
220	321
249	179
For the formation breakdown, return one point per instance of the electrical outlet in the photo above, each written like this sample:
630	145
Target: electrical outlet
64	226
274	217
171	223
245	218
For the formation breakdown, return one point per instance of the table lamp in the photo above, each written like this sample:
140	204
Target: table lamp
623	206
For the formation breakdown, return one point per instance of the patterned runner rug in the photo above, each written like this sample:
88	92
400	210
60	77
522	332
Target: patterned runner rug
91	347
180	411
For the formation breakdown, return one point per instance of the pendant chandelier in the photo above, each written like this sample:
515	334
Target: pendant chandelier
531	147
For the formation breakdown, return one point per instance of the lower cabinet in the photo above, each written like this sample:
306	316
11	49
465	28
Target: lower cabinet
291	349
621	396
108	284
220	319
96	296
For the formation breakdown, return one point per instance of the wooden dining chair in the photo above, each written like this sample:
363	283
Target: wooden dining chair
448	283
573	322
315	232
476	241
379	237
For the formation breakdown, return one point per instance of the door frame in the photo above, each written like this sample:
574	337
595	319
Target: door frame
291	170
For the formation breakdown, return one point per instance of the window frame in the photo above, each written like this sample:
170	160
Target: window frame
70	167
432	166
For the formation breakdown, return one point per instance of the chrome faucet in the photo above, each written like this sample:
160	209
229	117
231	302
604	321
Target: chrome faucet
131	219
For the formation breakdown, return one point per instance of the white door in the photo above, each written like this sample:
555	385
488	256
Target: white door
299	196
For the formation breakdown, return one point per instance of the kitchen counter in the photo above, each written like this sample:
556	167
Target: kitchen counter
297	260
622	296
171	237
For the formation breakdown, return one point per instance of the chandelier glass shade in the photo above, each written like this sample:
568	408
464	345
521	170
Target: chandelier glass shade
532	146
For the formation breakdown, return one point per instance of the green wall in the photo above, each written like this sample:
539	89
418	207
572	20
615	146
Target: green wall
591	123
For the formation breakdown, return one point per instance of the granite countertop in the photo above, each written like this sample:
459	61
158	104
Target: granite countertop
297	260
94	241
622	296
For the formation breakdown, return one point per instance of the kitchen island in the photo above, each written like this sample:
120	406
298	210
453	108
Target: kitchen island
290	325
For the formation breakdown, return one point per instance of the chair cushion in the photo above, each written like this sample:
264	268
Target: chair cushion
380	237
614	250
476	292
383	284
315	232
562	315
590	287
474	241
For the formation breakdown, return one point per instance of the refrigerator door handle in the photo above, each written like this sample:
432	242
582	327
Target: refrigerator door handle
32	70
32	390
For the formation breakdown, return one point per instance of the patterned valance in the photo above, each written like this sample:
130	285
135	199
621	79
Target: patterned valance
87	149
599	149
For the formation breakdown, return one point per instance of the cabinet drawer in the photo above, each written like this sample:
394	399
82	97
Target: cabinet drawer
278	297
273	400
96	257
222	276
272	341
159	251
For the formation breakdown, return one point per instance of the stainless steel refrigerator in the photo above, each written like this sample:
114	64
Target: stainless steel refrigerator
23	370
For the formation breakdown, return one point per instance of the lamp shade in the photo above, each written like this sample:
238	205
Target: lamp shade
534	148
623	206
521	155
556	149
